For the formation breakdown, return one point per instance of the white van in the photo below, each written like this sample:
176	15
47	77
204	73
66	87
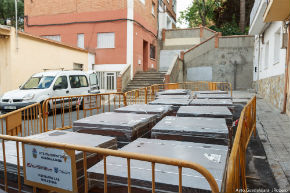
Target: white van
44	85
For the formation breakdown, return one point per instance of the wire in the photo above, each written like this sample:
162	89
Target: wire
96	21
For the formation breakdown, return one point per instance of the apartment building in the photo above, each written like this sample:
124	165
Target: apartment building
116	33
269	22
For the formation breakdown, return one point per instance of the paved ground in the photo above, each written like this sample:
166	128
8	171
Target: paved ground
274	132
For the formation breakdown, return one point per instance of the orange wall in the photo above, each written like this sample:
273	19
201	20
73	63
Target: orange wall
66	11
69	33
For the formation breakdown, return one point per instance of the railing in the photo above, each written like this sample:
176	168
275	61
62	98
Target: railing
236	171
62	111
58	113
107	152
22	122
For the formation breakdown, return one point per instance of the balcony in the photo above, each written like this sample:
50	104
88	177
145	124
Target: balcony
256	17
277	10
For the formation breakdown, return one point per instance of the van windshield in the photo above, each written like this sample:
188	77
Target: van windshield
42	82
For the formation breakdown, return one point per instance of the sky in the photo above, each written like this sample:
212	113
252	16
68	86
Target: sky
181	6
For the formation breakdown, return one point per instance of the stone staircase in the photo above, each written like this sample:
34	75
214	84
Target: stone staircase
144	79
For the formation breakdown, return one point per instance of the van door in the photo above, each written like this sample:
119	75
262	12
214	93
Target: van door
60	89
79	85
94	85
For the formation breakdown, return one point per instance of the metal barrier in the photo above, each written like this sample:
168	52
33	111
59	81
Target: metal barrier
236	171
62	111
22	122
107	152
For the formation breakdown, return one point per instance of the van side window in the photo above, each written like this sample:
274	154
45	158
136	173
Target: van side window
77	81
61	83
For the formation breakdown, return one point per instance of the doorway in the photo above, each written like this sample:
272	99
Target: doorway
145	55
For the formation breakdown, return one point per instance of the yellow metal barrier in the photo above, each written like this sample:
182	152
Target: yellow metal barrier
22	122
59	113
62	111
236	171
107	152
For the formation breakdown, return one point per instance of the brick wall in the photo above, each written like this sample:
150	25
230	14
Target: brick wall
50	7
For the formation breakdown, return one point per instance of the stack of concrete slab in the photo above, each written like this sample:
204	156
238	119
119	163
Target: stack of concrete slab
212	157
174	92
159	110
60	137
207	111
192	129
126	127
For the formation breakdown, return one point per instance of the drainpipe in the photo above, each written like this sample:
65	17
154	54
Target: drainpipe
258	68
286	72
16	24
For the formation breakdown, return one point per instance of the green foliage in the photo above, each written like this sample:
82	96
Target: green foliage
201	12
228	28
7	12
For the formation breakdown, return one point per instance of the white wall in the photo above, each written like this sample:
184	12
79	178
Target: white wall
268	64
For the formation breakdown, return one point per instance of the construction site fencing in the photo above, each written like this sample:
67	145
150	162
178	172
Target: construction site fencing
22	122
105	153
236	170
60	112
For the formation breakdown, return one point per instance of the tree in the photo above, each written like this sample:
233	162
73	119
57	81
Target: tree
200	12
7	12
242	15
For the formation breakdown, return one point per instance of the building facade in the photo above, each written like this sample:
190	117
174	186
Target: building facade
24	55
116	33
270	53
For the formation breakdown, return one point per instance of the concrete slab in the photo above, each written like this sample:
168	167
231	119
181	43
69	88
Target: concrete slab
125	126
176	103
214	96
159	110
192	129
211	92
204	111
174	92
207	111
211	102
173	97
212	157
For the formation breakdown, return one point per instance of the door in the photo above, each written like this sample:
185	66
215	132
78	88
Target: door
145	55
79	85
110	81
60	89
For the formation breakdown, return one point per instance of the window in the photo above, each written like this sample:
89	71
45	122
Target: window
78	66
106	40
77	81
54	37
153	8
152	51
266	56
277	47
81	40
93	79
110	80
60	83
142	1
174	5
